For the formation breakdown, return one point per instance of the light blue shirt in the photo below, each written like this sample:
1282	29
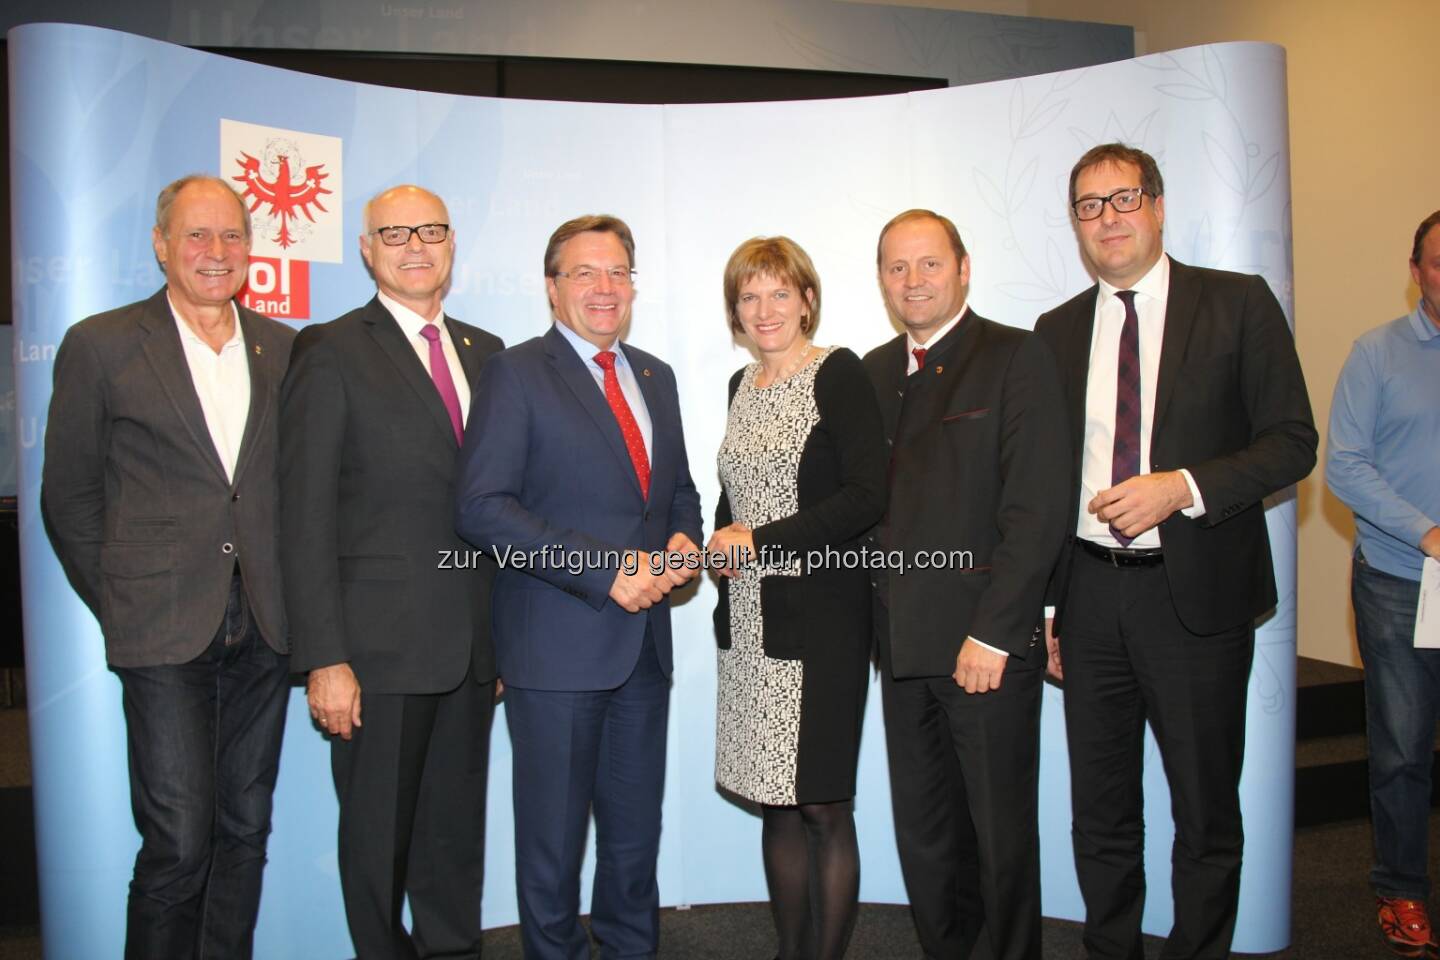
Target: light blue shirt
623	373
1382	456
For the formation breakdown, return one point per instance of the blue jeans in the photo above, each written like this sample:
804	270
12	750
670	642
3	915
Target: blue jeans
204	741
1402	694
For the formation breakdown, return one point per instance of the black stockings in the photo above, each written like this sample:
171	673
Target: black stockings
812	865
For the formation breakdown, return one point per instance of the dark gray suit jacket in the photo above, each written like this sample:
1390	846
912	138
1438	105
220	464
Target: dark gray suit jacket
134	495
368	477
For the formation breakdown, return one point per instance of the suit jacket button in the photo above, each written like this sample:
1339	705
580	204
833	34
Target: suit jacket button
227	548
647	516
234	497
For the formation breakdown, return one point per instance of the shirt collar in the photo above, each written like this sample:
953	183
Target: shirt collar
1421	323
411	323
938	335
237	338
586	349
1154	285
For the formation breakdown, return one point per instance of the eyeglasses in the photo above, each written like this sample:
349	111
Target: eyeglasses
399	236
587	276
1124	201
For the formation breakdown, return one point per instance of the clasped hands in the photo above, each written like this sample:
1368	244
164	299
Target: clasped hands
1140	503
730	548
647	577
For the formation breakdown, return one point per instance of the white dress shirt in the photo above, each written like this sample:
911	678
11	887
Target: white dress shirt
1151	294
411	323
623	373
222	382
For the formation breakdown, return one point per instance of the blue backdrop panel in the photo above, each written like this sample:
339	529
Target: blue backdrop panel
102	120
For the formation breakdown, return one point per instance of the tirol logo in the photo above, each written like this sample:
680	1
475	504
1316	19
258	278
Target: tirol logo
290	182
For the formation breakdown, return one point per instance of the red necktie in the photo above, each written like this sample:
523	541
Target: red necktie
919	358
1125	461
444	383
629	429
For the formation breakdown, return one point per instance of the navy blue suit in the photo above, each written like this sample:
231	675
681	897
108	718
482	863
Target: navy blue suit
545	476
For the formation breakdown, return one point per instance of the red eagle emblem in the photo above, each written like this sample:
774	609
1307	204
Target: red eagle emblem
286	198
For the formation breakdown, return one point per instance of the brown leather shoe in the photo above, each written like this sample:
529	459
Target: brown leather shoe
1405	927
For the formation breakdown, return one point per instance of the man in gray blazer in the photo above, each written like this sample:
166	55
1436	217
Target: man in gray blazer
159	494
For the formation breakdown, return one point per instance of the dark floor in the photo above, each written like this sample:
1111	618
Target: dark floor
1333	913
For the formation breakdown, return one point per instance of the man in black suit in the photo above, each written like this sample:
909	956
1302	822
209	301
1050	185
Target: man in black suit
159	496
976	516
385	602
1186	409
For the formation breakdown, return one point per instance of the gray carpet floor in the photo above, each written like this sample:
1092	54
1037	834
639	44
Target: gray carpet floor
1332	907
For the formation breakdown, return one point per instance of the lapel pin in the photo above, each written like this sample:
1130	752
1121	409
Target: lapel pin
467	340
939	369
259	350
646	371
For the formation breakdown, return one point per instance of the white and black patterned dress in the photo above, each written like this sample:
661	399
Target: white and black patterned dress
802	464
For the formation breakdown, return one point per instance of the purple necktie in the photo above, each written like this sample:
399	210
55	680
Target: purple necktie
1125	462
440	373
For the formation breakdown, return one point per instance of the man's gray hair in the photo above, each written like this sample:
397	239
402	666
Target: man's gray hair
165	203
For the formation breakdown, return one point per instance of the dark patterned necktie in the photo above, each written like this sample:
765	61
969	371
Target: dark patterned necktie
629	429
1125	462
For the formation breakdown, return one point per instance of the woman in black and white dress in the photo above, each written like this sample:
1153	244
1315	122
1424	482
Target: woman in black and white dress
803	473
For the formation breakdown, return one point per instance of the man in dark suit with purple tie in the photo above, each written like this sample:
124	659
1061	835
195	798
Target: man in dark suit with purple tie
1186	408
574	476
396	642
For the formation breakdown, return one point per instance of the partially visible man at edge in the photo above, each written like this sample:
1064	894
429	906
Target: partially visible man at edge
158	492
1383	461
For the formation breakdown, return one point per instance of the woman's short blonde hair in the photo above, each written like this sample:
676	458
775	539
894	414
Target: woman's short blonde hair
777	257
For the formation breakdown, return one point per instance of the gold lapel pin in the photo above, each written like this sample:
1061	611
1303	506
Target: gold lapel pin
259	350
646	371
467	340
939	369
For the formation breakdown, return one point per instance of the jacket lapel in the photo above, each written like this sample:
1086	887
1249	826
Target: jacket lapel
167	359
649	391
577	377
1081	330
391	340
1180	305
262	376
890	383
465	350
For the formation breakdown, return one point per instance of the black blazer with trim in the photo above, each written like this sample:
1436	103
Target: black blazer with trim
1231	407
974	437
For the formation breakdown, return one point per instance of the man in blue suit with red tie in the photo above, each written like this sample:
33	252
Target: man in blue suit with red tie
574	476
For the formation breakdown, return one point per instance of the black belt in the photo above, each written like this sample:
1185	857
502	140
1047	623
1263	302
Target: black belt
1123	558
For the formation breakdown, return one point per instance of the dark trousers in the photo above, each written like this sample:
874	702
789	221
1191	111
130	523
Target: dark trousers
411	785
572	750
204	745
964	781
1402	696
1128	659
